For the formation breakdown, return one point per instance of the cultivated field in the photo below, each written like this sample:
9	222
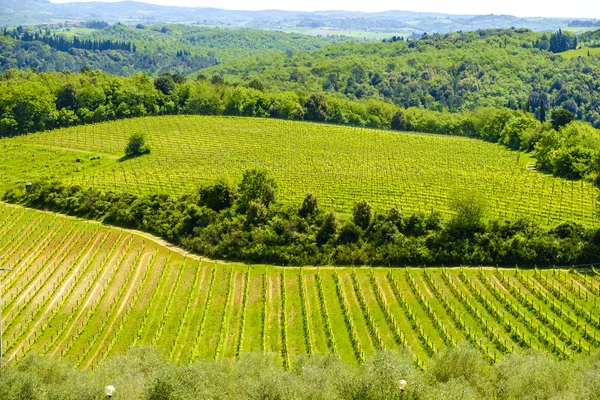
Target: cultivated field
84	292
341	165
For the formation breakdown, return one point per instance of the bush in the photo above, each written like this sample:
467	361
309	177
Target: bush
137	145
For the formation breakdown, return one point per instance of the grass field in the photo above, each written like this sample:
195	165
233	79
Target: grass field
341	165
582	52
84	292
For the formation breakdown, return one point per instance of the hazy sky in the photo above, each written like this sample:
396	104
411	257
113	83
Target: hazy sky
531	8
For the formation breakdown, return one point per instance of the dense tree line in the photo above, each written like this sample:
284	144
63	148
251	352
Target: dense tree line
457	373
562	41
40	56
62	43
459	71
590	39
245	223
578	23
31	101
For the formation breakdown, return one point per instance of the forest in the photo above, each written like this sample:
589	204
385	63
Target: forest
456	71
153	49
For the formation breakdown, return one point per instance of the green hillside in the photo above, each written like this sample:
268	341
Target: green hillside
340	165
85	292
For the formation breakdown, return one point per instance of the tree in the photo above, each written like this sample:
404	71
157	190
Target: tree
349	233
256	84
317	108
137	145
542	112
328	229
216	80
310	206
165	84
256	186
217	197
561	117
399	121
362	214
470	211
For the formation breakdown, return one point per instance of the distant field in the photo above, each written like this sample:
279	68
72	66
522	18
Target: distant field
583	52
85	292
341	165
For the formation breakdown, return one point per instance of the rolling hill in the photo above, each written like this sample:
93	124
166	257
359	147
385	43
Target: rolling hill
84	292
340	165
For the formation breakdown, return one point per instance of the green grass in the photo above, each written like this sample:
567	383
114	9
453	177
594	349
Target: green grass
582	52
85	292
341	165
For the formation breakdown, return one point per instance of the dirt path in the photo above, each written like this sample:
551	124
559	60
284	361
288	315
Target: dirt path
143	234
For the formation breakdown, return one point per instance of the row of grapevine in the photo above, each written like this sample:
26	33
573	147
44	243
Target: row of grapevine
371	325
500	344
542	316
358	351
240	342
116	302
265	301
423	337
426	306
205	309
325	315
304	309
283	318
223	326
385	308
532	325
459	322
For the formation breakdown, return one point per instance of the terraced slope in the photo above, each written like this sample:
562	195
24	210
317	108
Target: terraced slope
341	165
84	292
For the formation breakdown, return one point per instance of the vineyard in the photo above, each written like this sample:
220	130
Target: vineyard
84	292
341	165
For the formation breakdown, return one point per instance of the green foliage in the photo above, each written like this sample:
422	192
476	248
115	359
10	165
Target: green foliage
317	108
362	214
571	153
217	197
143	374
562	41
561	117
349	233
165	84
256	187
310	206
399	121
256	233
504	68
136	146
470	208
328	229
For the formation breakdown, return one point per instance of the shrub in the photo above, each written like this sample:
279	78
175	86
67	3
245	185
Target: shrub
137	145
